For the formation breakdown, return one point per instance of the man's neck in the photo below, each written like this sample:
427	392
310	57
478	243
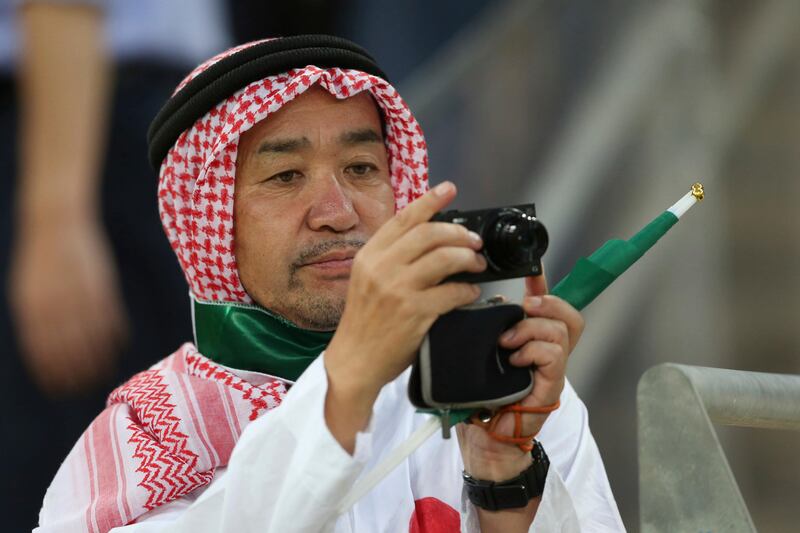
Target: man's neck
249	337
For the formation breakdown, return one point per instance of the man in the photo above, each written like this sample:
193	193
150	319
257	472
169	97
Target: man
296	206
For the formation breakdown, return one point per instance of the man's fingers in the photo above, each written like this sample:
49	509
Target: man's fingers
447	296
445	261
549	306
548	362
419	211
538	328
428	236
536	285
542	354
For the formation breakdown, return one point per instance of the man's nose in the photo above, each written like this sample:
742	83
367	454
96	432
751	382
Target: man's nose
332	207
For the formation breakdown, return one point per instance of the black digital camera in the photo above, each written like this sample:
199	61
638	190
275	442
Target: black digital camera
514	241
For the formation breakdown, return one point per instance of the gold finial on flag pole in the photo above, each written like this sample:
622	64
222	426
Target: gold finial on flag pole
698	192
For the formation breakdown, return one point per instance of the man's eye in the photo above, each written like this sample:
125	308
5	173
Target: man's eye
284	177
361	169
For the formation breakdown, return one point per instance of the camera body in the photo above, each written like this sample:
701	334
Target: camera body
514	241
460	364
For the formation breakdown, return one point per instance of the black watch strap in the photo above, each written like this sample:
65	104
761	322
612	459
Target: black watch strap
511	493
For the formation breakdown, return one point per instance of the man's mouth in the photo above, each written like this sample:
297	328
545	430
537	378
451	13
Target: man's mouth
333	262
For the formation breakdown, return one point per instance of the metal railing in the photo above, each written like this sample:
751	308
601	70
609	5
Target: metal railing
685	481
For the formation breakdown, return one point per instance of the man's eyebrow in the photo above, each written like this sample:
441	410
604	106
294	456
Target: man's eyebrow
365	135
279	146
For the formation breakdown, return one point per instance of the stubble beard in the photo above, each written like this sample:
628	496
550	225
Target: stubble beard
316	308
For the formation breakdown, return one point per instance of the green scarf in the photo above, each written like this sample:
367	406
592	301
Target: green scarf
249	337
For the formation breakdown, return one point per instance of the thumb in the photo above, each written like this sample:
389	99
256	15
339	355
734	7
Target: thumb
536	285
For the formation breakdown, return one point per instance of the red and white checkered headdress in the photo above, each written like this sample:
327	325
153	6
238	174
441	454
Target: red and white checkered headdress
197	176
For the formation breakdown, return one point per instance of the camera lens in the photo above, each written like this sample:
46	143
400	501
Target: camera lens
514	240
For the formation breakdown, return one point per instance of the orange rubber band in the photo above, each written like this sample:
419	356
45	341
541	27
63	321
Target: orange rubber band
524	442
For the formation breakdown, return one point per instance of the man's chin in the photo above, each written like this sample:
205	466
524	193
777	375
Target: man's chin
318	310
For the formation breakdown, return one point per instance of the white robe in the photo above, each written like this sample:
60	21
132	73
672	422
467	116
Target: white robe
288	473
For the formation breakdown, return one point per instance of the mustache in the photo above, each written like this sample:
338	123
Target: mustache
321	248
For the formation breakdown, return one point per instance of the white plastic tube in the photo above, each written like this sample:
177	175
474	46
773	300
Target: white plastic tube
374	476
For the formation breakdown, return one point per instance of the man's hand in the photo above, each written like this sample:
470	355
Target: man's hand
543	341
67	305
393	298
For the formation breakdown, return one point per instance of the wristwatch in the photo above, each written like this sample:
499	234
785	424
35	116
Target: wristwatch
514	492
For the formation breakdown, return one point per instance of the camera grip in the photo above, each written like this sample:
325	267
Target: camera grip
461	365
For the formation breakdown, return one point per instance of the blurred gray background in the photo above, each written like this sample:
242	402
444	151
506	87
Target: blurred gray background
603	113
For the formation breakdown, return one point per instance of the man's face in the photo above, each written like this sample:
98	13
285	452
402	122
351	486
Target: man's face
312	185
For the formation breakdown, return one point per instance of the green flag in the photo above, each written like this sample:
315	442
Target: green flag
592	275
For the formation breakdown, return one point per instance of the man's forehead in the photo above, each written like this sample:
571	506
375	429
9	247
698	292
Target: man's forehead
362	122
292	144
